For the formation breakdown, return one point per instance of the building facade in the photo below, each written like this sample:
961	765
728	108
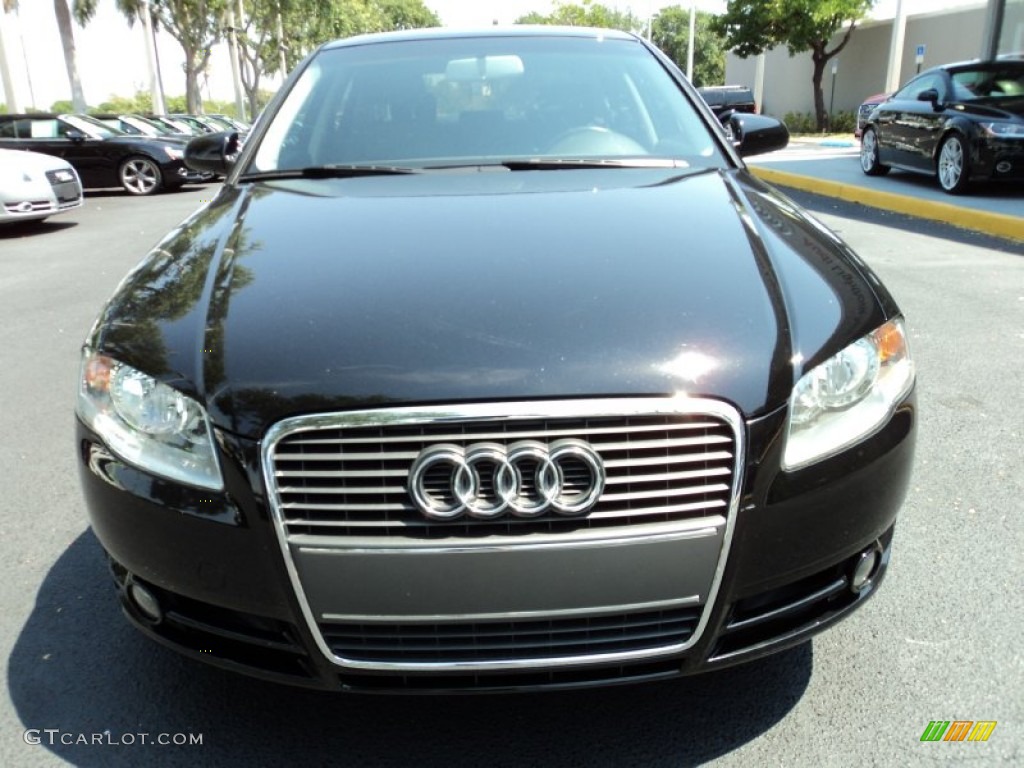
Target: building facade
862	68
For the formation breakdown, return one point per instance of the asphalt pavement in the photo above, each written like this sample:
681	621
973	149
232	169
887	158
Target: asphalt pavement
831	167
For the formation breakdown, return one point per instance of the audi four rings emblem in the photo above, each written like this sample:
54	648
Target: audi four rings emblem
525	479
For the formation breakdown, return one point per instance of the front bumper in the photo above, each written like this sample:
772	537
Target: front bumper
999	159
214	563
186	175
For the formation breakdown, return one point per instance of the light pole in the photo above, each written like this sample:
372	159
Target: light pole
689	43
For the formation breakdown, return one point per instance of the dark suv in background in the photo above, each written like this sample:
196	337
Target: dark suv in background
723	98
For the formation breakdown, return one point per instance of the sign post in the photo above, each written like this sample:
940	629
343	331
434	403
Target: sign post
919	57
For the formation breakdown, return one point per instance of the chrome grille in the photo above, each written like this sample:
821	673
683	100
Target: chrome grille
59	177
346	475
30	206
426	643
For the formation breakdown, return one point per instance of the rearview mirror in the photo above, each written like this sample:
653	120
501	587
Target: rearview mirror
756	134
483	68
213	152
931	96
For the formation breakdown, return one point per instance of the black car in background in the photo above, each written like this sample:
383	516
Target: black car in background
490	366
958	122
177	126
137	125
102	155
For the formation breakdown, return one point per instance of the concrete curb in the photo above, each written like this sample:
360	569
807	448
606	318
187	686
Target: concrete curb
997	224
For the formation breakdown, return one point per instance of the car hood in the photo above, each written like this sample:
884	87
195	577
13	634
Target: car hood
289	297
998	107
37	162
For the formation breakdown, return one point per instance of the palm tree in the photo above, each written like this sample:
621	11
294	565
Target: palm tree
5	72
67	39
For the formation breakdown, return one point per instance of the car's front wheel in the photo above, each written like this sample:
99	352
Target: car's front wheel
869	162
953	166
140	176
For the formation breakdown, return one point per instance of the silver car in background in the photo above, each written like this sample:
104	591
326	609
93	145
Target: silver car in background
34	186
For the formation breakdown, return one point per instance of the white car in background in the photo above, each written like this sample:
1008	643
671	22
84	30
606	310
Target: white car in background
34	186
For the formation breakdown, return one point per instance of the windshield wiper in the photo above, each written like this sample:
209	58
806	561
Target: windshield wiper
559	164
328	172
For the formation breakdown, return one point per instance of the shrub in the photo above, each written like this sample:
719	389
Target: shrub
843	122
805	122
800	122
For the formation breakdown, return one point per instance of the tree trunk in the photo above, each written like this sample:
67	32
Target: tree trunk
67	39
820	59
821	56
194	66
193	97
253	97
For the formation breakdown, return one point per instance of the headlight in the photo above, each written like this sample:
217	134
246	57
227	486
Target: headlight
147	423
848	396
174	153
1004	130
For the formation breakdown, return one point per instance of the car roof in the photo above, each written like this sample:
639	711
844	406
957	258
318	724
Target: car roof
1000	62
515	30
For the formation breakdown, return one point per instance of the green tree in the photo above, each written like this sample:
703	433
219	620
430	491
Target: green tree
197	25
585	14
671	33
305	24
751	27
406	14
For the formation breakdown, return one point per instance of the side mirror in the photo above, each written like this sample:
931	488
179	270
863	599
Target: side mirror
756	134
75	135
931	96
212	152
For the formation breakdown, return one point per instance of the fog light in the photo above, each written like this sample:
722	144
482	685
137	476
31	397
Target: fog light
145	601
865	568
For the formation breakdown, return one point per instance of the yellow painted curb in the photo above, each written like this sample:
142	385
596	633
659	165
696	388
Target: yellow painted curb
997	224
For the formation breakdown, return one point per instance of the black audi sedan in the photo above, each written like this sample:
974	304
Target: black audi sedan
491	367
102	155
959	123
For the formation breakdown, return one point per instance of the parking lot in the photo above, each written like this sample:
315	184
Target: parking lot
941	640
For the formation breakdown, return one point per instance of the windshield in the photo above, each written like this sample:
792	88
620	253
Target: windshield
463	101
144	126
992	83
91	126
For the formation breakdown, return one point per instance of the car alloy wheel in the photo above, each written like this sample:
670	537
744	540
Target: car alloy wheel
952	170
869	155
140	176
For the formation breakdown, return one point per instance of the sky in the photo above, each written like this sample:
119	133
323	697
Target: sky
111	55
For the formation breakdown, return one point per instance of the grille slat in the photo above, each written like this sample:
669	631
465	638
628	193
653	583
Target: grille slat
667	492
683	459
660	477
490	641
512	435
352	480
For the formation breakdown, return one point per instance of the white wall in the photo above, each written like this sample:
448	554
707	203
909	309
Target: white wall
947	37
